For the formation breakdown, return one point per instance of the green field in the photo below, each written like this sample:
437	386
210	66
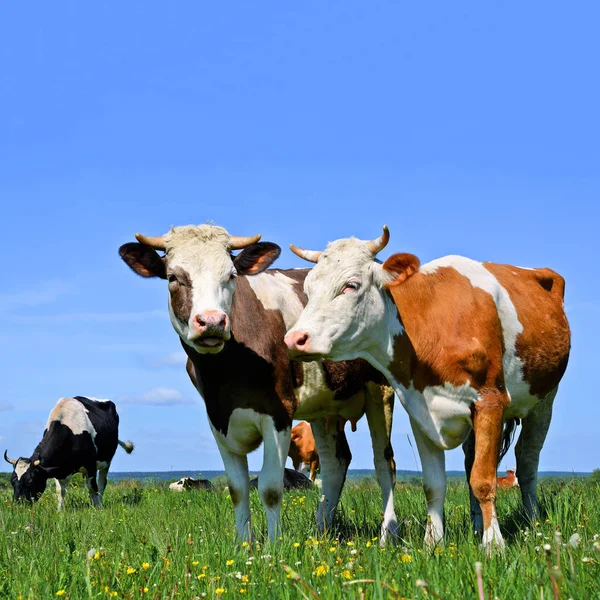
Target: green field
149	542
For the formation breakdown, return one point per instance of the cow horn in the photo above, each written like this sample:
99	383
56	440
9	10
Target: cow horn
312	256
158	243
237	242
11	461
381	242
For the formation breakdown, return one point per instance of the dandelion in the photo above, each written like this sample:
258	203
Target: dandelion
244	579
350	543
114	594
242	590
219	591
145	590
61	593
296	544
406	558
229	563
322	570
245	544
332	549
201	575
346	574
130	570
195	563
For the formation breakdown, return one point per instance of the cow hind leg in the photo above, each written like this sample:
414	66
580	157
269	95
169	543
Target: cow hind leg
92	486
236	467
334	458
270	480
379	408
476	515
527	451
102	479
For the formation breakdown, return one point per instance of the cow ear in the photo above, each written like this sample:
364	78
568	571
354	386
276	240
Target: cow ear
399	267
256	258
143	260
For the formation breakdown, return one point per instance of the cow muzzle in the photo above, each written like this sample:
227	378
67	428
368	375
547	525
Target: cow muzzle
300	347
210	330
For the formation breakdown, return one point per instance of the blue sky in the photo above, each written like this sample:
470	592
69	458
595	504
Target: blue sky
468	128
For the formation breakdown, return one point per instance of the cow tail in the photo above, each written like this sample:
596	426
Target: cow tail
510	427
127	446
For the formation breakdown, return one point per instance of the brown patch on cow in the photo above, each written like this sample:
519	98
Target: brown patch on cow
402	266
303	448
348	377
271	498
235	495
545	341
181	294
297	371
452	332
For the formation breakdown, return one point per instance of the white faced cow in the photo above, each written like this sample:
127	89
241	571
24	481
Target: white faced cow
467	346
81	435
231	318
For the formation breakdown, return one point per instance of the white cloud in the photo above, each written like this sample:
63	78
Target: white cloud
159	396
45	293
174	359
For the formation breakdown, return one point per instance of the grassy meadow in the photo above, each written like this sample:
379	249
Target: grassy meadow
149	542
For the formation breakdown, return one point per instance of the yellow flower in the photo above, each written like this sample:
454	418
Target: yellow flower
368	544
145	590
229	563
406	558
350	543
322	570
167	562
219	591
195	563
201	575
130	570
296	544
245	544
242	591
146	566
244	579
114	594
346	574
61	593
97	555
332	549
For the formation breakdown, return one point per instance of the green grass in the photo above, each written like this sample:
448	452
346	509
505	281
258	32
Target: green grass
183	546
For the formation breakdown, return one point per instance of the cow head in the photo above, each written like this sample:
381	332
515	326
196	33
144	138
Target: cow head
28	478
201	271
347	299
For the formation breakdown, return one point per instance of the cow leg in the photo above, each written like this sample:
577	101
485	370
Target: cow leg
433	463
236	467
334	456
270	481
488	421
61	491
379	409
102	478
528	448
314	465
476	515
92	486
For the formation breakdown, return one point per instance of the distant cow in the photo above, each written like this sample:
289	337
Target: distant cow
303	450
292	480
509	481
81	435
189	483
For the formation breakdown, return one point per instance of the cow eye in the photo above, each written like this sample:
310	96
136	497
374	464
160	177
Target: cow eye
351	286
172	278
233	275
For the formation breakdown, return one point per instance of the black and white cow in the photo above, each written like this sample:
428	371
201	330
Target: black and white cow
81	435
231	316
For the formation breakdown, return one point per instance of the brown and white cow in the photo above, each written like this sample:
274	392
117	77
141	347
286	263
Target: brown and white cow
231	318
509	480
303	450
467	346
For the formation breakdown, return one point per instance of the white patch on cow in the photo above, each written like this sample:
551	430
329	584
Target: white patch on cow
276	292
74	415
97	399
492	538
177	486
21	467
244	431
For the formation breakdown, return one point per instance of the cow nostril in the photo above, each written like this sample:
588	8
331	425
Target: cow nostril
302	339
200	321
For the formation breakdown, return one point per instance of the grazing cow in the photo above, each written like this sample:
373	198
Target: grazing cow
189	483
292	480
231	318
81	435
509	481
467	346
303	450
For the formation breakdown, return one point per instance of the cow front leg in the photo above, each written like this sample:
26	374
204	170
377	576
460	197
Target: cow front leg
527	451
236	468
379	409
61	491
433	463
102	479
334	458
488	420
476	516
270	481
92	486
